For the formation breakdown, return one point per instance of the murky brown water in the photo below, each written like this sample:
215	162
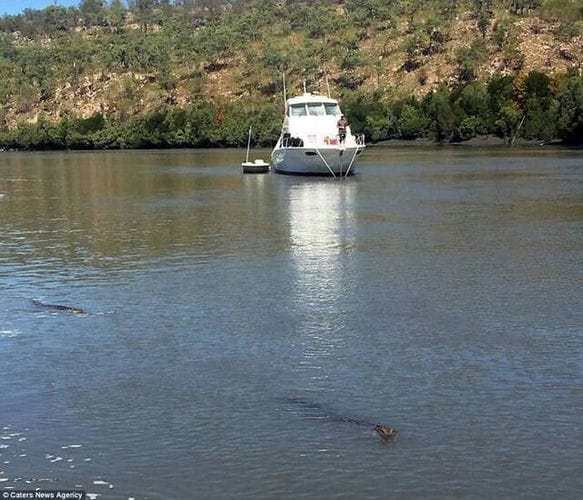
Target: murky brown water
439	292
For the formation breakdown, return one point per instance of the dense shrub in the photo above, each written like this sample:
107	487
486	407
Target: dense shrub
535	108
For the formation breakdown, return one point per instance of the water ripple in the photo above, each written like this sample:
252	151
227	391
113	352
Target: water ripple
437	293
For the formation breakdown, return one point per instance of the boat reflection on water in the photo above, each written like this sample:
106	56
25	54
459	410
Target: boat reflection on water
322	234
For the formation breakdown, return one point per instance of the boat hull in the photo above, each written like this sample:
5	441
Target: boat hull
255	167
312	161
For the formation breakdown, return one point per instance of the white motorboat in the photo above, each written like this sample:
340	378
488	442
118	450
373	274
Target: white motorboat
310	144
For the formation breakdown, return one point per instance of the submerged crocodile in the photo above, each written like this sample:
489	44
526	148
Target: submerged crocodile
57	307
387	434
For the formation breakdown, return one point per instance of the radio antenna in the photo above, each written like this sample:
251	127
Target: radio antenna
284	91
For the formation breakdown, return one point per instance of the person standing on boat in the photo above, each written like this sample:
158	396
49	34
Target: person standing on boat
342	124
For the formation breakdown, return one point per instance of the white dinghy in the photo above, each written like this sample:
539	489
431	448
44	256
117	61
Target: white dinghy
253	167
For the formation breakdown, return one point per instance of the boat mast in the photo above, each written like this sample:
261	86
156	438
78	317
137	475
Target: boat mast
284	91
248	146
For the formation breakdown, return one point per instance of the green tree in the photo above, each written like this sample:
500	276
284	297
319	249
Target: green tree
570	111
500	92
409	9
56	19
412	122
144	12
441	113
473	100
364	12
507	120
116	14
468	59
540	107
93	12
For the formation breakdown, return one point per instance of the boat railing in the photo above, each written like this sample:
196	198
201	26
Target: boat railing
291	142
312	141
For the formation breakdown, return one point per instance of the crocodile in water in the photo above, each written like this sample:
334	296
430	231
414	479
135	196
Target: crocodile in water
57	307
387	434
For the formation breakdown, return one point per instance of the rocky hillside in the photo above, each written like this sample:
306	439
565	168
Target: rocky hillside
112	60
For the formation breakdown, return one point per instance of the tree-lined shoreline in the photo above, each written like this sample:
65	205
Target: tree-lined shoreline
537	108
169	73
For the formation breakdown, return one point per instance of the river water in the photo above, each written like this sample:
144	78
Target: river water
235	319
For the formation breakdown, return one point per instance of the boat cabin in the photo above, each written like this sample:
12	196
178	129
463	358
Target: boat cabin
312	105
312	119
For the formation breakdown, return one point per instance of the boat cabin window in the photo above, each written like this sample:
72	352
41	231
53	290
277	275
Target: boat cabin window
332	108
297	110
316	109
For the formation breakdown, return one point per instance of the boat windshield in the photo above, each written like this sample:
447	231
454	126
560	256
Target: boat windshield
315	109
298	110
332	108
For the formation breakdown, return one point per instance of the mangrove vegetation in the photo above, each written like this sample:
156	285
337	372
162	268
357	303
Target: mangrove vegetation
186	73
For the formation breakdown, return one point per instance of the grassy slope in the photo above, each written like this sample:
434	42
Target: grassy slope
237	55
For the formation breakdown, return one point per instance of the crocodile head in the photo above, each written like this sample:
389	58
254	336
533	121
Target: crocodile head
387	434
